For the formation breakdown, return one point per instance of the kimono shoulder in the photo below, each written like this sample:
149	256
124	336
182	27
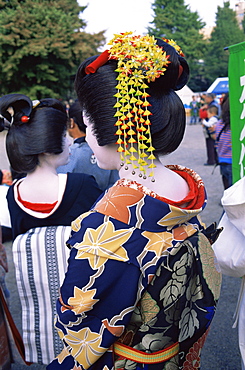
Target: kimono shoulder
81	191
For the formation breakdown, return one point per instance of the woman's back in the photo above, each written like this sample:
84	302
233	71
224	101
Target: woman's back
78	192
146	295
42	206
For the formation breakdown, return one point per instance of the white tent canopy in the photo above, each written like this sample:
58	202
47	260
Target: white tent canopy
185	95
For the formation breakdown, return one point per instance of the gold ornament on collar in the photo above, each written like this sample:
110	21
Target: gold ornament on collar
140	61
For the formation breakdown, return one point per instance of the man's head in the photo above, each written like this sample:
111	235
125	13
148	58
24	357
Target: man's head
208	97
76	127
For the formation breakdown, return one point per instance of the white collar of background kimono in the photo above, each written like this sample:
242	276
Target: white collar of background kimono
61	190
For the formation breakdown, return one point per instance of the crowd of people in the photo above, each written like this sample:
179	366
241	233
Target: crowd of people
108	241
199	104
214	116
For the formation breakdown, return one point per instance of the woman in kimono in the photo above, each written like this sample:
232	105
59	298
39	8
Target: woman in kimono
141	287
42	205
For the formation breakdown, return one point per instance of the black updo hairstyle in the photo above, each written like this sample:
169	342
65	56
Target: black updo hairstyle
96	92
43	132
75	112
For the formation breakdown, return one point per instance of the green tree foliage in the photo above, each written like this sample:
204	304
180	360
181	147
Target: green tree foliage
41	45
243	24
225	33
174	20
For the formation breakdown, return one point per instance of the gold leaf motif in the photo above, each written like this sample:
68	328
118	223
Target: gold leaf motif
82	301
85	346
102	243
149	307
212	276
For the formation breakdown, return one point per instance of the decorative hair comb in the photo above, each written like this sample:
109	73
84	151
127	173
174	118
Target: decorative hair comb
26	110
25	119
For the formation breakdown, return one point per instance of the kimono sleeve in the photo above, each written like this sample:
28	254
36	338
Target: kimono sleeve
97	299
229	249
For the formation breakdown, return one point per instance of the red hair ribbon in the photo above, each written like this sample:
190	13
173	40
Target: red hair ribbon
98	62
103	58
180	71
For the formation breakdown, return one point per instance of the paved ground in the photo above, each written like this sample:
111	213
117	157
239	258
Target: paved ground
221	348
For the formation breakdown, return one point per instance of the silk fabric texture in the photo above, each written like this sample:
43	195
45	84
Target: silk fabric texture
132	278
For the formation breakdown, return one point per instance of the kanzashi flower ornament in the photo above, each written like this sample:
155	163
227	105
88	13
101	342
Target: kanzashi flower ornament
140	61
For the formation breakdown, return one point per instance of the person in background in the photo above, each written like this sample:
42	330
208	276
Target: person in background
81	157
222	136
3	266
209	125
138	291
8	177
37	147
6	356
223	95
194	110
5	177
210	99
229	249
5	182
202	109
42	206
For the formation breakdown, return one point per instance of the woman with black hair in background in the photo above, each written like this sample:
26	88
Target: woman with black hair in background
223	143
42	206
139	292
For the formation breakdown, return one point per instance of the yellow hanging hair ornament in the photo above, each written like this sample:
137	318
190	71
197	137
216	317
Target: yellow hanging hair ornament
140	61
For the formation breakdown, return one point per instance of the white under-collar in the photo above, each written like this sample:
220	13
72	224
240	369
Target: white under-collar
61	190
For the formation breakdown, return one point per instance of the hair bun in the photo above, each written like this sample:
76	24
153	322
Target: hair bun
184	76
21	104
177	72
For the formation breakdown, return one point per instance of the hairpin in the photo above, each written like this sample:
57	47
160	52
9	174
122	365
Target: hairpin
35	103
24	119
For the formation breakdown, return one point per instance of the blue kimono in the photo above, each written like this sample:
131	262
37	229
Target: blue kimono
141	286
